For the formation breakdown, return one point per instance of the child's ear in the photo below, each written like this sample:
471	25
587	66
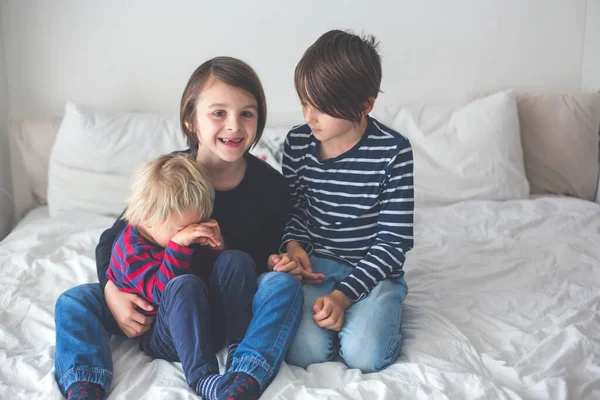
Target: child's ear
369	105
190	127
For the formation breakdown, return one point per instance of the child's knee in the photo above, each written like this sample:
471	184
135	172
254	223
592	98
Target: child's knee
182	287
87	297
368	353
313	352
236	261
312	345
280	280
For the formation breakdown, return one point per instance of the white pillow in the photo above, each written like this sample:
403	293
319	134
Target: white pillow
95	154
471	153
262	151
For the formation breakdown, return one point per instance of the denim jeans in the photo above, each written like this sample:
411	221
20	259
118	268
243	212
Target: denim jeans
84	326
370	339
196	319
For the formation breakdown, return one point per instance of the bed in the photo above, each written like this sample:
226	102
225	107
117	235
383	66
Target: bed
504	298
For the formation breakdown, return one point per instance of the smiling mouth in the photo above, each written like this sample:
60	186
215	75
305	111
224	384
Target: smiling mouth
230	141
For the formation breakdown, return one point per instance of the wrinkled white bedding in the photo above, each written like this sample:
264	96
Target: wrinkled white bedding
504	303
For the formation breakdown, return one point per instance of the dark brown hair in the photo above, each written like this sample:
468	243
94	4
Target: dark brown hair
232	72
339	73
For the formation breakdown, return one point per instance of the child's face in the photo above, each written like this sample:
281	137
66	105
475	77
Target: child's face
226	121
163	232
324	126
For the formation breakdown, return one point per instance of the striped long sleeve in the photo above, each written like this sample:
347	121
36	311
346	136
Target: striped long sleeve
296	228
138	266
357	207
394	237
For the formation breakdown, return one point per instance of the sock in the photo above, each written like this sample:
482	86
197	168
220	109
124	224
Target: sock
85	391
207	386
230	386
230	350
238	386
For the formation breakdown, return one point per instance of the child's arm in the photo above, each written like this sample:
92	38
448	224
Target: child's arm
395	237
295	229
148	277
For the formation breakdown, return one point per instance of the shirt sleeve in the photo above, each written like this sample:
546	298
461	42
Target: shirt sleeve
394	239
104	249
147	276
295	228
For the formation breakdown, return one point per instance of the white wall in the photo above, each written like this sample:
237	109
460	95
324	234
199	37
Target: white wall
6	204
138	54
590	73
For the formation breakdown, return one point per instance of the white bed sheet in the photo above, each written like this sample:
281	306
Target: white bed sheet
504	303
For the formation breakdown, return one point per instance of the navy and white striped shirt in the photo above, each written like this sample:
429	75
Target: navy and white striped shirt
357	207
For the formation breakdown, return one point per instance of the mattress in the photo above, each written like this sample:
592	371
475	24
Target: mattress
504	303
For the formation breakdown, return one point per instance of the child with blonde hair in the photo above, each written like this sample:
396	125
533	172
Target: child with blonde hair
167	214
158	257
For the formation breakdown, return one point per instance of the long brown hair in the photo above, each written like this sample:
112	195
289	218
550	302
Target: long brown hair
232	72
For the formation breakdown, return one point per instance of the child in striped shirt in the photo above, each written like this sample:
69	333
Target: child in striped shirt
171	254
351	225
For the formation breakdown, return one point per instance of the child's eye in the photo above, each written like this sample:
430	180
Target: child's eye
219	113
247	114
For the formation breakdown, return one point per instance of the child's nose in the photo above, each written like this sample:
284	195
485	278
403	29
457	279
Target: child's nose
309	115
233	124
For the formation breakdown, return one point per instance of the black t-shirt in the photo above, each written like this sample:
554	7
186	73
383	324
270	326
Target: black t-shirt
251	216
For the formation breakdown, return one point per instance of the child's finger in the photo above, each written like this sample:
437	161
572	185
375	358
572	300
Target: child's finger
290	267
210	223
312	276
318	305
337	325
143	304
325	312
310	281
305	261
204	231
327	321
284	259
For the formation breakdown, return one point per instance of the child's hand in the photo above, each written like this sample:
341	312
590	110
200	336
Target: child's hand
197	233
216	241
284	263
298	254
123	308
329	310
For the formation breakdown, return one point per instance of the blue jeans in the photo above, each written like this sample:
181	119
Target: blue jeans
196	319
84	326
370	339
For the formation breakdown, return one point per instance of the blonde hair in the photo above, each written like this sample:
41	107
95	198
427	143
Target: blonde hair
170	184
